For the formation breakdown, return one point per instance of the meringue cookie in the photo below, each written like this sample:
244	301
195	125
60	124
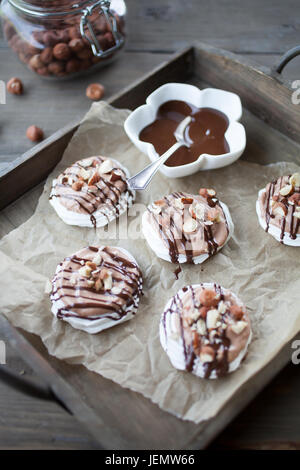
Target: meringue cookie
96	288
205	329
92	192
184	228
278	209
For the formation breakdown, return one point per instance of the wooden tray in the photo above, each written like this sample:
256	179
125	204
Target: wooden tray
118	418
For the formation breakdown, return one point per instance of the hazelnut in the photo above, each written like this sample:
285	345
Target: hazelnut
236	312
279	209
77	185
287	190
94	179
50	38
73	66
295	199
95	91
208	298
62	51
86	53
74	32
56	67
14	86
35	62
9	30
295	179
203	312
207	354
34	133
47	55
76	45
43	71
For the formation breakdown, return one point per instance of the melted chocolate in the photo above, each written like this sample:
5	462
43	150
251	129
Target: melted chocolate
205	133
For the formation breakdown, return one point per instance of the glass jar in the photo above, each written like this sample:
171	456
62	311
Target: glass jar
60	38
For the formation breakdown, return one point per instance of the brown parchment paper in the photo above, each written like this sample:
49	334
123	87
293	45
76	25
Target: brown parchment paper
262	272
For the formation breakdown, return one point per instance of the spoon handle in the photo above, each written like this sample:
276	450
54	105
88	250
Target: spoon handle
141	180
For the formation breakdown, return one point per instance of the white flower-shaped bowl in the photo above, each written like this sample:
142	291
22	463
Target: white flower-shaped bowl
225	101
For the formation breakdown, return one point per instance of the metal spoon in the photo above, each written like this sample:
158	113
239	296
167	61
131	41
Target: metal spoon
141	180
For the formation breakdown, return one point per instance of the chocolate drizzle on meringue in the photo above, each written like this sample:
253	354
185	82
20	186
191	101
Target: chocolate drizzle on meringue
293	223
102	195
172	232
105	303
219	343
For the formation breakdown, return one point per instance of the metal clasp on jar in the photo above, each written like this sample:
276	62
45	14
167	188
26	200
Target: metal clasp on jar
104	8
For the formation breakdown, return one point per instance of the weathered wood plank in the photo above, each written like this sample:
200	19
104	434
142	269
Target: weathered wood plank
242	27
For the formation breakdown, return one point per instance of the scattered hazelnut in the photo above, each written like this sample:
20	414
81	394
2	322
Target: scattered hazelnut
95	91
14	86
34	133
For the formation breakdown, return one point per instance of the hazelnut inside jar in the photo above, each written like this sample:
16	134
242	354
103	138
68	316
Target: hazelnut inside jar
63	38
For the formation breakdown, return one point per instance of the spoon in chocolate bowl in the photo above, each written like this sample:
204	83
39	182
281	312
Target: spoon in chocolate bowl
142	179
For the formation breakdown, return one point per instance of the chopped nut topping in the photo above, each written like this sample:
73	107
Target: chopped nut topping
212	318
77	186
201	327
208	298
87	163
197	211
279	209
97	259
95	177
190	226
286	190
155	209
85	271
214	215
98	285
178	204
90	283
222	307
295	179
91	265
105	167
187	200
207	354
85	174
238	327
116	290
236	312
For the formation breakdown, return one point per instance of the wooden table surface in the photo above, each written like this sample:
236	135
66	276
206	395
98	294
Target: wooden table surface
156	28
